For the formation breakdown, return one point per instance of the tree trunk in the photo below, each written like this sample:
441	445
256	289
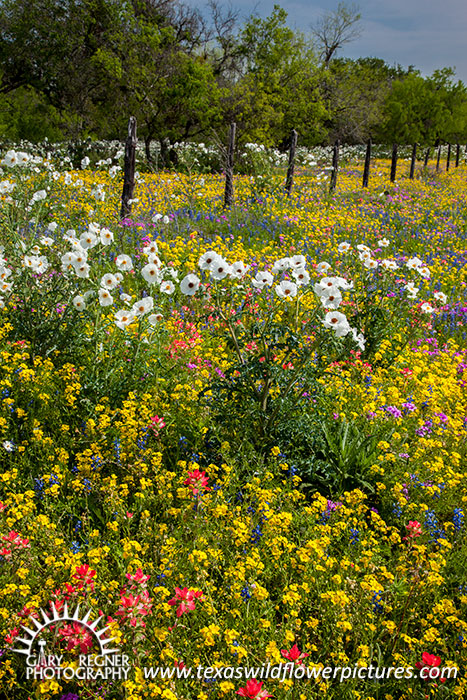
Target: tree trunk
412	161
335	166
291	167
393	162
129	169
366	167
229	185
147	150
165	160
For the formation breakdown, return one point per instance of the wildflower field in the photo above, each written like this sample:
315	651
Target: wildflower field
239	435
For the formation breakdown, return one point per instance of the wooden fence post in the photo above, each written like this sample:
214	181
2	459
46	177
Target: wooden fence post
412	162
229	186
129	169
393	162
335	166
448	159
366	167
427	157
458	152
291	166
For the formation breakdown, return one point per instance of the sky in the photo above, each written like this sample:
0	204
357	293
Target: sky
427	34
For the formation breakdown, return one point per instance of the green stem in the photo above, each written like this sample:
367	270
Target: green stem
411	592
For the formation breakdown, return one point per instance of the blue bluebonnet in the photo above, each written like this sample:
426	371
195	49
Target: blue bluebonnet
376	601
245	593
87	485
292	471
96	462
117	449
432	525
39	487
256	534
458	519
142	441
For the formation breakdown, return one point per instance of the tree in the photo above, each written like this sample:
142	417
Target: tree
357	91
275	87
453	96
154	69
334	29
26	114
97	61
422	110
222	47
49	45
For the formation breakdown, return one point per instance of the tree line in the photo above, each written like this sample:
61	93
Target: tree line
74	69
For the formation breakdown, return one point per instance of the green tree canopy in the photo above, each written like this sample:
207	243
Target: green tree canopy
276	86
79	68
422	110
356	92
